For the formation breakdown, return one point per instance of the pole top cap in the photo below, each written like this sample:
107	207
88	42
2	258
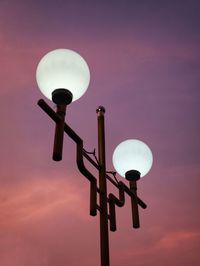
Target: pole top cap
100	109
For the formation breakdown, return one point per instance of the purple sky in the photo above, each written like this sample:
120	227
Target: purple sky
144	62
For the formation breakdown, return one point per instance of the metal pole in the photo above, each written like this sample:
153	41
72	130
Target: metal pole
59	133
134	204
104	240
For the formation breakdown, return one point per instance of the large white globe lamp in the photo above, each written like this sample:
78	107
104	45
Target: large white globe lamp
65	72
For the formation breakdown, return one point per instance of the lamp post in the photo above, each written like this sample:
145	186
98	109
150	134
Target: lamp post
63	76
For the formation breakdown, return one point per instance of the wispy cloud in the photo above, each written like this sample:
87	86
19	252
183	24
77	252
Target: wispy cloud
36	199
175	239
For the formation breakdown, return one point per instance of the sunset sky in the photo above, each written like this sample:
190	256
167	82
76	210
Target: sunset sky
144	61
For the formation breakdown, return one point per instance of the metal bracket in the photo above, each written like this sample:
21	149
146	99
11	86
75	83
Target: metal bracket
80	153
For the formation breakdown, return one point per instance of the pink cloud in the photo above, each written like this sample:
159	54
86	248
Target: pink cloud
175	239
37	199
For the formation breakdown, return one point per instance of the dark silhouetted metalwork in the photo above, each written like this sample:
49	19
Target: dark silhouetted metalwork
107	203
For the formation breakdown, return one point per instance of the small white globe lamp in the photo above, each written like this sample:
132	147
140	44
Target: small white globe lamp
62	76
132	159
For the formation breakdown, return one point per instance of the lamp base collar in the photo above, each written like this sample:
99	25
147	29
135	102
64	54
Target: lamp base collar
62	96
132	175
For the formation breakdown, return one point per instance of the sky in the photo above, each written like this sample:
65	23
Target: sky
144	61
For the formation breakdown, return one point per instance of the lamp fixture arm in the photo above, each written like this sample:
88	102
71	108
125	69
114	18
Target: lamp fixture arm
79	155
113	200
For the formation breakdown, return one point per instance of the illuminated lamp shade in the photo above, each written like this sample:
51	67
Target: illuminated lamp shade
132	154
63	69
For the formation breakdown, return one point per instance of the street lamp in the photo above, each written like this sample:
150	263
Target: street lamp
63	76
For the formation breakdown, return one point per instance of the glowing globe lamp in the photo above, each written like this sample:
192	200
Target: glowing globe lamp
63	73
132	156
